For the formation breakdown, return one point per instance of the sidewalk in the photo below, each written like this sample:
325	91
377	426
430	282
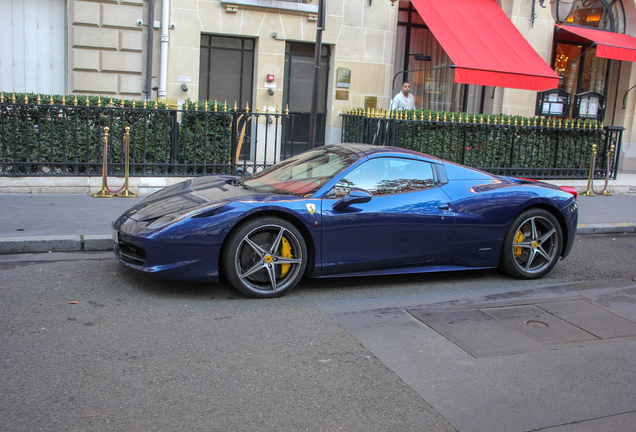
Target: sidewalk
76	222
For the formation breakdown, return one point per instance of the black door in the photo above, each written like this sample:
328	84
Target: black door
226	70
299	75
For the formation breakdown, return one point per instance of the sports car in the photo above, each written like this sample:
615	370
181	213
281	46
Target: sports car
346	210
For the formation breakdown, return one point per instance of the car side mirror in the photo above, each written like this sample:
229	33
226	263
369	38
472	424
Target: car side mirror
355	196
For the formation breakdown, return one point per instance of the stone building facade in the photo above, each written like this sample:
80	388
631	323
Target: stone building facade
105	51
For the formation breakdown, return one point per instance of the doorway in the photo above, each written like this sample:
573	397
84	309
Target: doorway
297	92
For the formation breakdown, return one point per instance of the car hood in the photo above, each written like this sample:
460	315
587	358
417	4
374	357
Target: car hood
196	193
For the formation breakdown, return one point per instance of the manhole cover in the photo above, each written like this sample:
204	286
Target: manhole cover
487	330
533	323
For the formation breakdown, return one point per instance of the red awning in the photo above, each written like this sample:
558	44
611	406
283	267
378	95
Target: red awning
484	44
615	46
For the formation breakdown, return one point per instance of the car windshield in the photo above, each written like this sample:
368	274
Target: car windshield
302	175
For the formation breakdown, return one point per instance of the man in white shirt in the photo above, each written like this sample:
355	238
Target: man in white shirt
404	100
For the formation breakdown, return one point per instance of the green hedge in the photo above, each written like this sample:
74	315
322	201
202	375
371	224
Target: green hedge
500	144
64	135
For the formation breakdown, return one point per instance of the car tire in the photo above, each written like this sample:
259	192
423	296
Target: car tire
265	257
532	245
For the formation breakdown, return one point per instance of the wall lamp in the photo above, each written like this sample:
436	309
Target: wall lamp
561	10
625	97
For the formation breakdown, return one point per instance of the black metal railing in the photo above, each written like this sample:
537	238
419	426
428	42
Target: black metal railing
504	145
64	138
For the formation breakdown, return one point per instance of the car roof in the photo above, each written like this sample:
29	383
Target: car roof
369	150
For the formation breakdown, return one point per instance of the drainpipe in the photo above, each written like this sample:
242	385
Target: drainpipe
163	77
151	29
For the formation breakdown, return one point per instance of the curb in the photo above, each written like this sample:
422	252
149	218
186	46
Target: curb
62	243
611	228
104	242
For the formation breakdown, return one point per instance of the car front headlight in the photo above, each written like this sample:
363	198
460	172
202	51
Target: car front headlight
168	219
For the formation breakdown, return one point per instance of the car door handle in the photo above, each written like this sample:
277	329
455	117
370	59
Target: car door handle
444	207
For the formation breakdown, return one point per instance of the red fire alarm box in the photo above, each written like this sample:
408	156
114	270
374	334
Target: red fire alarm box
270	77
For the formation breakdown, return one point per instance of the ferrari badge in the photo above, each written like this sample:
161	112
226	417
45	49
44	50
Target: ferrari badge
311	208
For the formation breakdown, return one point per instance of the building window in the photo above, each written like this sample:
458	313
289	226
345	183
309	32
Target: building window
226	69
574	59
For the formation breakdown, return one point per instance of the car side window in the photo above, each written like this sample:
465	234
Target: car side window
387	176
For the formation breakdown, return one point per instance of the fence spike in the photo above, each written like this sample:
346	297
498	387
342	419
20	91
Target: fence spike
1	97
26	98
601	126
257	109
225	106
99	101
205	105
247	107
133	102
196	105
110	103
287	109
277	110
87	101
50	99
215	106
488	119
235	106
37	100
156	104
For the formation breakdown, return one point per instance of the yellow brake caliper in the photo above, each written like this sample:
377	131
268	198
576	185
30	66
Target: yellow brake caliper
518	239
285	253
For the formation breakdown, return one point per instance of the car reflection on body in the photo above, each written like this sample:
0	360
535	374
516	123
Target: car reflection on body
346	210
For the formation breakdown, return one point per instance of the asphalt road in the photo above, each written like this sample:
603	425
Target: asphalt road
139	354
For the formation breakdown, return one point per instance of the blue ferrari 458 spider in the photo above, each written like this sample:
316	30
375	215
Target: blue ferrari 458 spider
346	210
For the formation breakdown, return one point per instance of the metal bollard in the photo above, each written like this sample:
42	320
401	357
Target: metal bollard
104	193
127	193
589	192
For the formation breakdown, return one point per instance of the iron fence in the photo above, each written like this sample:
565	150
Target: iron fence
503	145
61	139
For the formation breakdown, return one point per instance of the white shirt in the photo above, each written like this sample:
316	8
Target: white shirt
402	102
